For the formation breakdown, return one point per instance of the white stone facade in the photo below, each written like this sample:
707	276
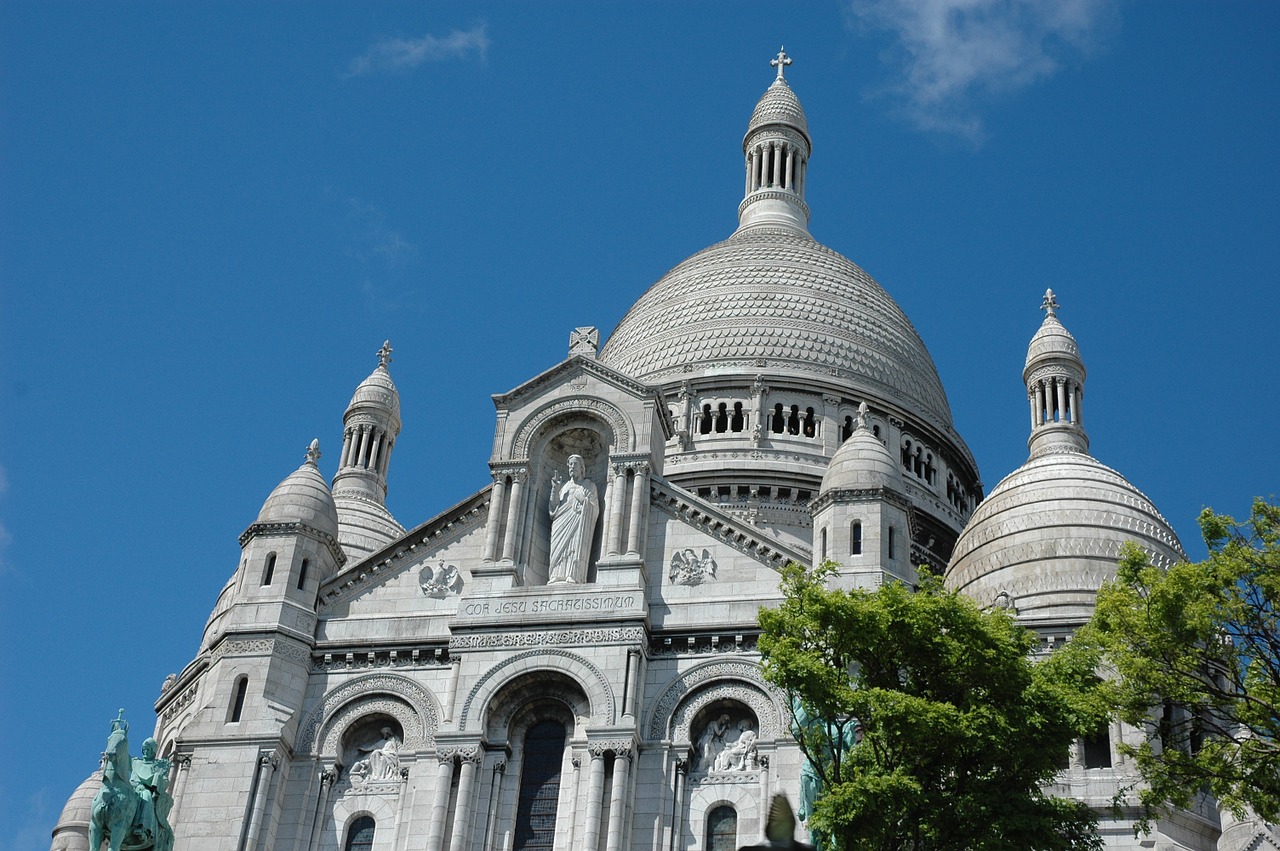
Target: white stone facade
364	686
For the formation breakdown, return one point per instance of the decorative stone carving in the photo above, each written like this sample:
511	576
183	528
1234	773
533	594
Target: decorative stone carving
539	638
687	568
584	341
381	761
603	410
574	508
727	743
441	581
740	681
603	707
415	710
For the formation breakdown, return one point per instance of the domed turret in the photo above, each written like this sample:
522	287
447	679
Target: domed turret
862	461
71	833
1049	535
766	343
303	497
370	427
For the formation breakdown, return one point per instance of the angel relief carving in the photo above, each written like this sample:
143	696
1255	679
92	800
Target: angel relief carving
441	581
687	568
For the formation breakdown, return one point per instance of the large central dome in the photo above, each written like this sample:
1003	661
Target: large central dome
771	298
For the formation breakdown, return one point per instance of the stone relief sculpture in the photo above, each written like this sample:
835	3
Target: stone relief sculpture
131	810
381	760
574	510
726	745
440	582
688	569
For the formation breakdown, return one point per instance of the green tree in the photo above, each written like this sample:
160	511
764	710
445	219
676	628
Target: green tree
957	728
1196	653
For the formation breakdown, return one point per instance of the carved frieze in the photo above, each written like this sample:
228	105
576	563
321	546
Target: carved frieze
603	409
543	638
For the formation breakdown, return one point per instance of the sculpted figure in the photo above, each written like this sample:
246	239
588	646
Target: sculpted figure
711	743
741	755
151	782
574	509
381	761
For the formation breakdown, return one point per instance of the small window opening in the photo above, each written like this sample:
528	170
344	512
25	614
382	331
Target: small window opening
823	549
722	829
906	455
810	424
892	542
722	419
739	421
237	699
270	570
793	421
876	431
302	574
704	426
360	834
1097	750
846	430
779	424
855	538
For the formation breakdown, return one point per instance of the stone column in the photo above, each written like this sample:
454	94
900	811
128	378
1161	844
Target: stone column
595	796
327	778
496	503
510	543
1077	412
574	786
440	803
182	770
1031	397
777	165
618	796
615	514
267	763
495	790
373	452
466	800
1060	384
633	673
364	441
639	499
677	817
789	182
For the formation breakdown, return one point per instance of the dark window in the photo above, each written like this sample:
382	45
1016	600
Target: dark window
704	426
793	421
722	829
855	538
738	422
302	575
237	702
1097	750
891	542
846	430
810	424
722	418
823	553
270	569
539	786
360	834
779	423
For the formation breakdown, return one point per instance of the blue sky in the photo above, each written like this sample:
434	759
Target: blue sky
211	215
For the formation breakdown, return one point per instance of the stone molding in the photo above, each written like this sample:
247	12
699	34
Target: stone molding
367	691
594	683
625	748
452	523
282	647
731	674
603	410
752	695
543	638
720	525
399	657
279	530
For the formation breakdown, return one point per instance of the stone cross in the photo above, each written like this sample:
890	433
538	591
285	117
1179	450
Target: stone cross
1050	304
781	62
584	341
384	354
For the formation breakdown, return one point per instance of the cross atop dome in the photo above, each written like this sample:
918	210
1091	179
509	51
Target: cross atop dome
384	354
1050	304
313	451
781	62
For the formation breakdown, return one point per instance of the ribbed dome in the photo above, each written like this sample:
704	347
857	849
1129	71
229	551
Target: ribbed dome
773	298
303	497
71	833
862	461
1049	536
364	526
778	105
1053	340
378	389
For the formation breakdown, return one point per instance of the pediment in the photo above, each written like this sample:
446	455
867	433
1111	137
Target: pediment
576	372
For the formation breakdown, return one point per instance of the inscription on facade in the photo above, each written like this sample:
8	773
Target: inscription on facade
550	605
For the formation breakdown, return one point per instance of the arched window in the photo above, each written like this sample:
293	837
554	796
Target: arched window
846	430
270	570
722	829
238	694
360	834
823	551
810	423
892	542
722	418
779	423
302	575
704	423
739	421
1097	749
855	538
539	787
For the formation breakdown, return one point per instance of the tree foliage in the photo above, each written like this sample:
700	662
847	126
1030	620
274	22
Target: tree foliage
1196	651
957	729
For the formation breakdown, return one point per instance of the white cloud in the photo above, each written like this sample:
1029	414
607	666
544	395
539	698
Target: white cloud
400	54
952	54
386	261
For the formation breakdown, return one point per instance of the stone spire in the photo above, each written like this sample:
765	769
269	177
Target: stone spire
1054	375
371	425
777	149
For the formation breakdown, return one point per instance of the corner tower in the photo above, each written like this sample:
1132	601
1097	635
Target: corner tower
764	346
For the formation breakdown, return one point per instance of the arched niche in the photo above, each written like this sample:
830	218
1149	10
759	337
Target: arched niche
569	434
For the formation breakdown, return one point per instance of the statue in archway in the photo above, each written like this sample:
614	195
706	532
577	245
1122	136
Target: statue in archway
574	511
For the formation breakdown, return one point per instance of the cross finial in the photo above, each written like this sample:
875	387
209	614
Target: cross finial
1050	304
313	451
384	354
781	62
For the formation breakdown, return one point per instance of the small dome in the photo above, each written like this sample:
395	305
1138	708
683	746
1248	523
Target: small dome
71	833
303	497
1049	536
1052	341
778	105
862	461
378	389
364	526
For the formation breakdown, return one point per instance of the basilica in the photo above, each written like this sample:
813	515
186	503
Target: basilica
567	658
